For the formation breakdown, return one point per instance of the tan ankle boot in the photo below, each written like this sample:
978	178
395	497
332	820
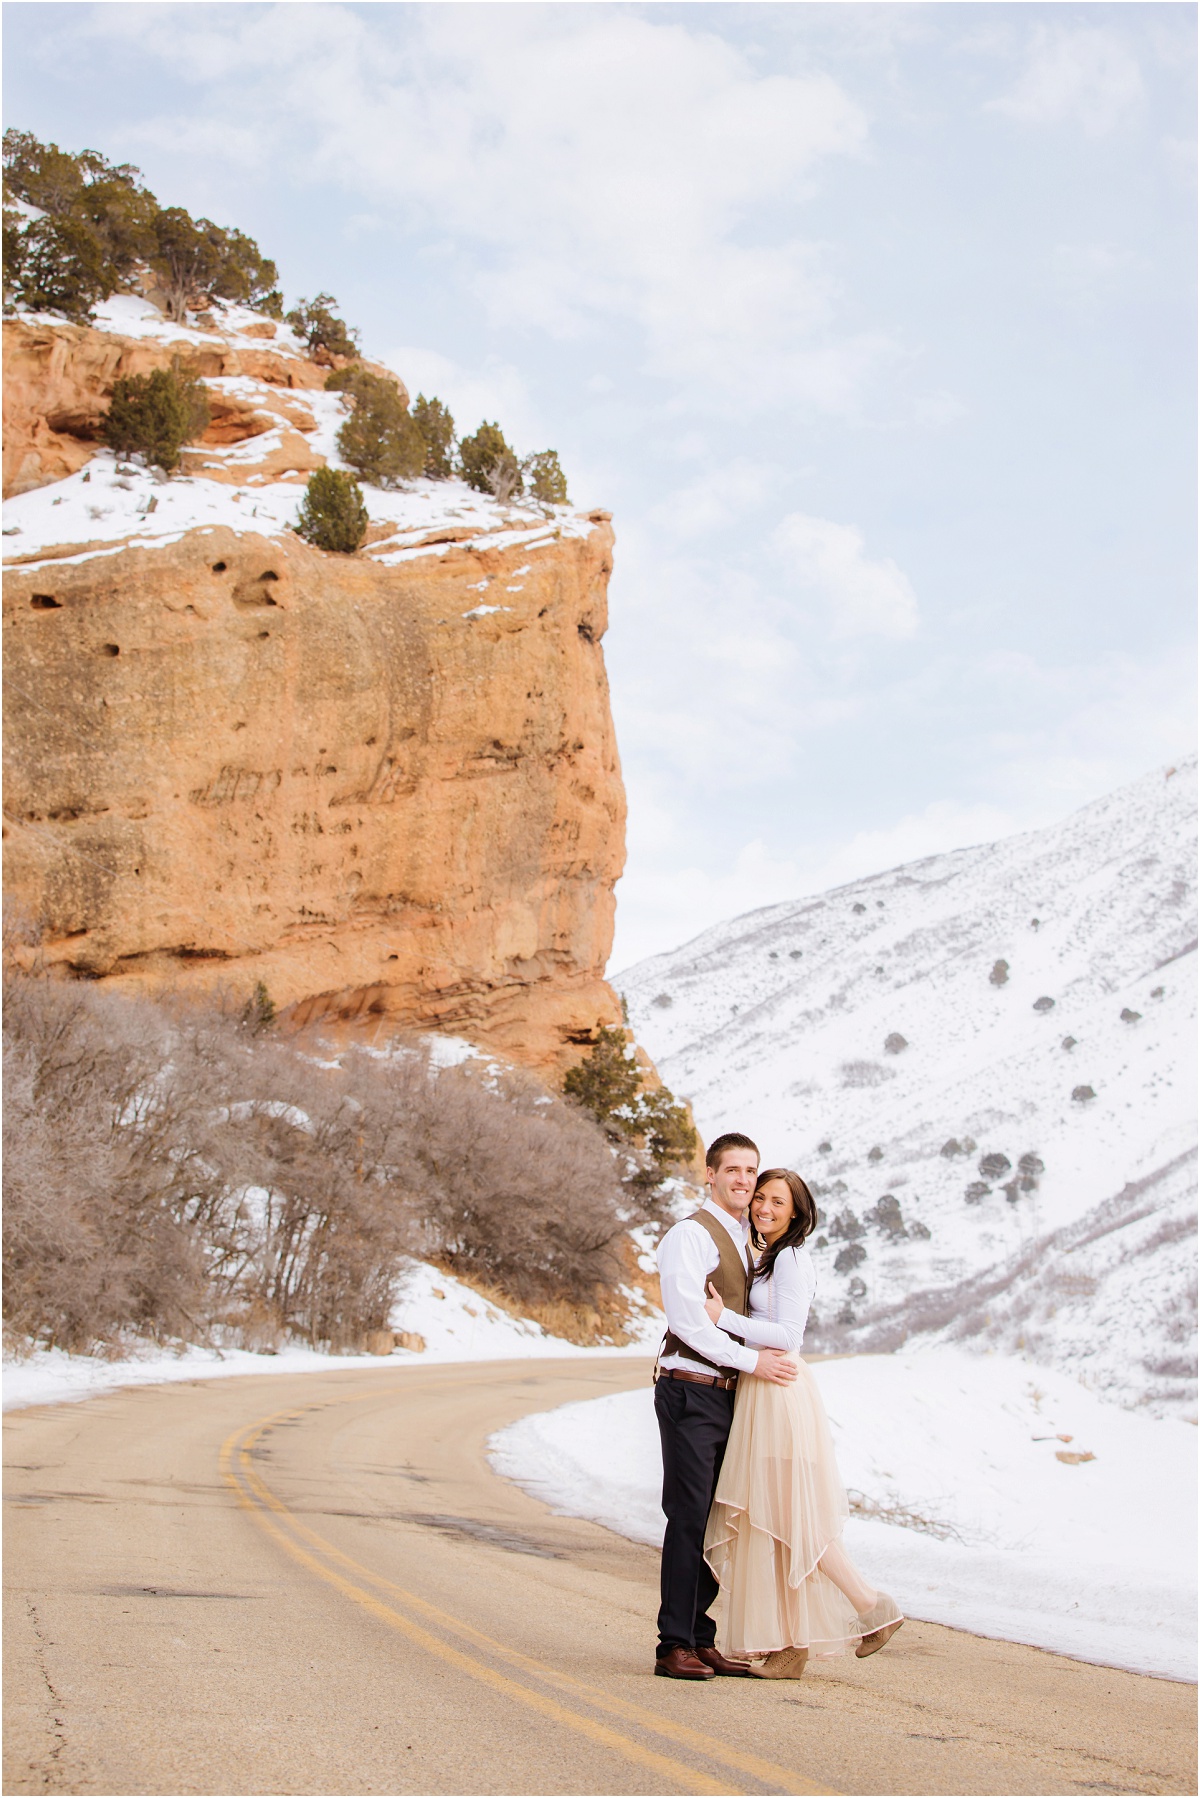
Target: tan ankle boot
879	1625
783	1663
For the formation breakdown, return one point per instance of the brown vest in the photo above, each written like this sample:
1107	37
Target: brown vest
731	1277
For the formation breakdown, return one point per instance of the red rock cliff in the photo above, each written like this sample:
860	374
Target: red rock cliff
232	758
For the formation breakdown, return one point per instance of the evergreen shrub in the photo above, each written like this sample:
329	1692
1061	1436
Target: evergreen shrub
653	1124
380	439
547	482
100	225
316	322
488	464
332	514
155	415
436	426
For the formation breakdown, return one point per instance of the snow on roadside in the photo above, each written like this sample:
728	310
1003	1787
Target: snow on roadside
456	1323
1000	1535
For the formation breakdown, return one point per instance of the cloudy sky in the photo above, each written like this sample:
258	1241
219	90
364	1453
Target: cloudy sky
872	325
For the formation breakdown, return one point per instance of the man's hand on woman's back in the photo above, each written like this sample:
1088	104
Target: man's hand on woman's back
775	1365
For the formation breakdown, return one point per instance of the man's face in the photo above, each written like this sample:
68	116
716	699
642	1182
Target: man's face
732	1184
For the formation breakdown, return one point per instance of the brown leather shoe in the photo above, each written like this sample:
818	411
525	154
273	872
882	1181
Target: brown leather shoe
681	1663
712	1657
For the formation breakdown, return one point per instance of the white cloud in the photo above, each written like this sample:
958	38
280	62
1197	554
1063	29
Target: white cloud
1078	75
865	597
493	391
726	495
598	164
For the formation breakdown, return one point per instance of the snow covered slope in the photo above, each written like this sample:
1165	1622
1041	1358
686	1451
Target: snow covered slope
983	1063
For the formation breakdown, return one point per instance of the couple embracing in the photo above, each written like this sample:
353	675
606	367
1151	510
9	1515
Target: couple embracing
751	1491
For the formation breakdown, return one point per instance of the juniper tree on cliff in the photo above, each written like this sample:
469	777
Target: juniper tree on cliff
380	439
436	426
99	224
154	415
94	228
332	516
320	328
488	464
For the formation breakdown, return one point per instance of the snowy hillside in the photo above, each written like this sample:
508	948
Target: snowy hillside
983	1064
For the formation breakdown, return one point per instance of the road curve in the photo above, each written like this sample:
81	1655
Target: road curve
315	1584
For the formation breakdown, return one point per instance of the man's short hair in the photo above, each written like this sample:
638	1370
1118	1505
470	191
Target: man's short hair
732	1139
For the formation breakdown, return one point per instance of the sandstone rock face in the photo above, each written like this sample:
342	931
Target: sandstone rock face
58	380
232	758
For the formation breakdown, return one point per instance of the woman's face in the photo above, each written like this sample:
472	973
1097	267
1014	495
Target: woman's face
772	1209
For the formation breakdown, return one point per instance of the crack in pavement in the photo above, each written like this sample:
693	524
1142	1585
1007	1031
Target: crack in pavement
53	1774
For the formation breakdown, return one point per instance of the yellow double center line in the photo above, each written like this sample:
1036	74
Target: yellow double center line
398	1609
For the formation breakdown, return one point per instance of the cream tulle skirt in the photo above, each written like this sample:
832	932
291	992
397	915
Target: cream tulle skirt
779	1505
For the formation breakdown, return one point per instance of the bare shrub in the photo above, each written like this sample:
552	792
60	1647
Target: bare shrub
186	1172
865	1073
522	1189
100	1177
316	1220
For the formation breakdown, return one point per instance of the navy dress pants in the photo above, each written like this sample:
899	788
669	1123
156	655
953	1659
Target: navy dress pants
693	1423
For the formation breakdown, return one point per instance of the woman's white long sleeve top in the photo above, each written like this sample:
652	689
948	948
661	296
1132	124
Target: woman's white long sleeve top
779	1306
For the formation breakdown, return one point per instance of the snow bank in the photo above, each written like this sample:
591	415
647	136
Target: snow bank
123	503
456	1323
991	1529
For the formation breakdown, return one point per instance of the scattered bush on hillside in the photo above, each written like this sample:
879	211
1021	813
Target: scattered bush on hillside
847	1259
176	1172
197	262
332	514
865	1073
101	225
95	228
339	380
654	1129
380	439
154	415
436	426
317	324
999	973
887	1217
488	464
547	482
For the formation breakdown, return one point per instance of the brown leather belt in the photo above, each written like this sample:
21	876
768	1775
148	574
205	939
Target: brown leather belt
699	1379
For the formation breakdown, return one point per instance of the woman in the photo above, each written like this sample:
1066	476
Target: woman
774	1532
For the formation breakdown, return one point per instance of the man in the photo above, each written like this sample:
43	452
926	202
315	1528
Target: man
695	1381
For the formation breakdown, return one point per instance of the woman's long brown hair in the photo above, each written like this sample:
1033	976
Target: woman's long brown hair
804	1218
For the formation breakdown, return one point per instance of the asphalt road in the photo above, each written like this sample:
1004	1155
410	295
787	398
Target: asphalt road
316	1585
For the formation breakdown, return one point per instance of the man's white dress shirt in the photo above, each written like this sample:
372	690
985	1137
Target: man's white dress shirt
687	1255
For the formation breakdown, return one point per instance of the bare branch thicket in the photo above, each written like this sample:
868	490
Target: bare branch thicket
178	1171
523	1190
100	1171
